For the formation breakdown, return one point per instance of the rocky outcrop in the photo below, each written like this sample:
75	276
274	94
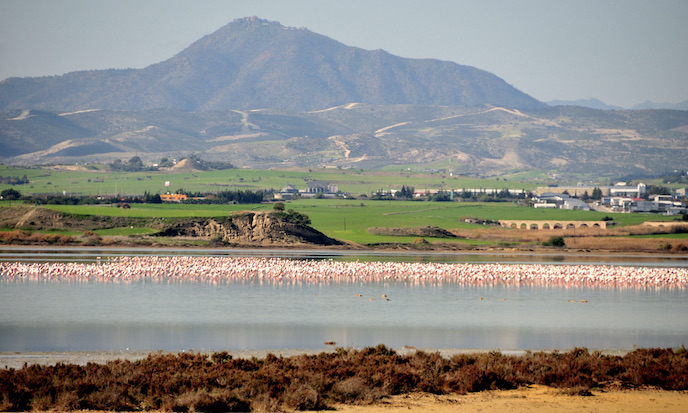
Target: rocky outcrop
250	228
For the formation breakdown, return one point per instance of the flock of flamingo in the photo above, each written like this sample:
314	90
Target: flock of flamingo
250	269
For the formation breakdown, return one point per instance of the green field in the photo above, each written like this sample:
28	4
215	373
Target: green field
350	219
344	219
106	183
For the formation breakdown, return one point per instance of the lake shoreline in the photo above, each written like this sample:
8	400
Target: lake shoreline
17	359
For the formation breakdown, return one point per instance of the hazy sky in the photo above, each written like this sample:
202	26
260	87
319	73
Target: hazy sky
622	52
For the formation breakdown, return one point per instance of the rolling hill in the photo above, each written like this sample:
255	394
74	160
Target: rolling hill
476	140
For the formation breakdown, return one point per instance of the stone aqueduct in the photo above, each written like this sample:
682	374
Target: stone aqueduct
552	224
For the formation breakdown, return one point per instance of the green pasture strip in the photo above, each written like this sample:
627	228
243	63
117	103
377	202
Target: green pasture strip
156	210
329	215
107	183
672	236
99	181
6	204
102	232
350	220
414	214
125	231
366	238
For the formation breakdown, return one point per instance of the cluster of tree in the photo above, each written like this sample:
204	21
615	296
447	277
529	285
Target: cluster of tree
555	241
241	197
290	215
10	194
223	197
165	162
198	163
14	180
226	197
440	196
406	192
135	164
210	165
499	196
66	200
596	195
657	190
149	198
676	177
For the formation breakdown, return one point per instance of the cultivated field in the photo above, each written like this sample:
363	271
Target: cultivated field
94	181
349	220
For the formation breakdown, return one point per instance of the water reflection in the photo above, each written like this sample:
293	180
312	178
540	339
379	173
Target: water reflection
56	316
92	254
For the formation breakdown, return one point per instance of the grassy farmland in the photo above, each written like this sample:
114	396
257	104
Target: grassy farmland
349	220
79	181
343	219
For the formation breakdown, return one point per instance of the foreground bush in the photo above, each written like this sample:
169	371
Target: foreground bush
197	382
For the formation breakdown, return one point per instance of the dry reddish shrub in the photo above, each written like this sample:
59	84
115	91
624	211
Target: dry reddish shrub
15	237
663	368
303	397
197	382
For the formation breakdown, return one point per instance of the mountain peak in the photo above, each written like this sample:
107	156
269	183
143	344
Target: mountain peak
254	63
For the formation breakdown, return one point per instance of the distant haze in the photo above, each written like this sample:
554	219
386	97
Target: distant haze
622	53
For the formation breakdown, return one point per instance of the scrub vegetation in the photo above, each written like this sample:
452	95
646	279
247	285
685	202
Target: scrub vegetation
218	382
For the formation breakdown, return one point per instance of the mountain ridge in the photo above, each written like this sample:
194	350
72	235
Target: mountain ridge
483	141
252	63
595	103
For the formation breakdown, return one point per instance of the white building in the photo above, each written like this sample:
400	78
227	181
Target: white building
561	201
621	189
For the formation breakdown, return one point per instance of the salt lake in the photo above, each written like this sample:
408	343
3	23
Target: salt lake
172	315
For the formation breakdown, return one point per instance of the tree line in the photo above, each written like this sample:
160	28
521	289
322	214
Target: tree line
222	197
14	180
135	164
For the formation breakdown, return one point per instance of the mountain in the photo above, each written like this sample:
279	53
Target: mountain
252	64
258	94
665	105
484	140
592	103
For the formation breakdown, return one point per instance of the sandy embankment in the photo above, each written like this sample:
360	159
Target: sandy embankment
532	399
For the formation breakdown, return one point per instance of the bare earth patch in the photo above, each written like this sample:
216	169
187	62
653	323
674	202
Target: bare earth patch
531	399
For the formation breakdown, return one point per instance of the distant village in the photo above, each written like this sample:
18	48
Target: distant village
315	188
618	198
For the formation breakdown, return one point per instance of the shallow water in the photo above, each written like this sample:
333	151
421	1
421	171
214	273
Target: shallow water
147	315
153	315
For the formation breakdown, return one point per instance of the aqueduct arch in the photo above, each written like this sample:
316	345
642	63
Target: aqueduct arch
551	224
